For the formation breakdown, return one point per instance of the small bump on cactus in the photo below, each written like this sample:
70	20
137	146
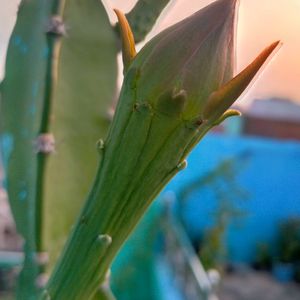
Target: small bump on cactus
172	103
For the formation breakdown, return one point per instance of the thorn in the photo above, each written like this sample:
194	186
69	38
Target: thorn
128	44
181	166
104	240
45	143
42	258
136	106
100	145
42	280
142	107
199	122
220	100
56	26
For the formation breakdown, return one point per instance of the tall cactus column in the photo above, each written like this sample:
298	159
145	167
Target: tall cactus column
22	103
44	146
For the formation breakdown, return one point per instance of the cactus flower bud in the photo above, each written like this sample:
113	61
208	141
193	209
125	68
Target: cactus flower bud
196	56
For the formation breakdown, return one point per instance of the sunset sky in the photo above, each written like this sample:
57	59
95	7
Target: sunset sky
260	23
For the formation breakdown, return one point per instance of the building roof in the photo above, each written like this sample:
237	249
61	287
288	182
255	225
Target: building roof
275	108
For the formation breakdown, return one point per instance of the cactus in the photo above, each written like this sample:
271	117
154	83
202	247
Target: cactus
22	103
177	88
60	80
39	112
85	91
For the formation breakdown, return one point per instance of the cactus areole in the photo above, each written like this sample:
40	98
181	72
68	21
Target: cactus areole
175	89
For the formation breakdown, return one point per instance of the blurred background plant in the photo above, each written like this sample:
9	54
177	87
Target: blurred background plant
227	193
287	257
289	241
263	258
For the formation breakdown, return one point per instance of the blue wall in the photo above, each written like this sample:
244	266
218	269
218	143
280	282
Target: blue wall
270	173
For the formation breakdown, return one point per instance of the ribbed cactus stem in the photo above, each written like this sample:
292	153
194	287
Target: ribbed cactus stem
140	156
85	89
44	145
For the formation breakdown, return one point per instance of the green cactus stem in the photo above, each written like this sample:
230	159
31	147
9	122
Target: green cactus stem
32	118
45	143
25	67
157	123
85	90
23	91
144	15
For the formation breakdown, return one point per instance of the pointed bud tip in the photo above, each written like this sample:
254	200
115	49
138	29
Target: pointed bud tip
220	100
119	14
128	44
278	44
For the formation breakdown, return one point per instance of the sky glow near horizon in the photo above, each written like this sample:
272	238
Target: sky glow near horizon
260	23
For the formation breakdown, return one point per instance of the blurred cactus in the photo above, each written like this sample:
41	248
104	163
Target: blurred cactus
60	81
144	15
22	94
86	86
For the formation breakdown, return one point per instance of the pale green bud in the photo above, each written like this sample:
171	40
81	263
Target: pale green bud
195	55
190	65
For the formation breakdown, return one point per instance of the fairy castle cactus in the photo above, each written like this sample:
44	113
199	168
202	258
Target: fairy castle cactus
59	83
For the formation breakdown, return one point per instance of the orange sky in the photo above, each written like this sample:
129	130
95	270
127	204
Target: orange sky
260	23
